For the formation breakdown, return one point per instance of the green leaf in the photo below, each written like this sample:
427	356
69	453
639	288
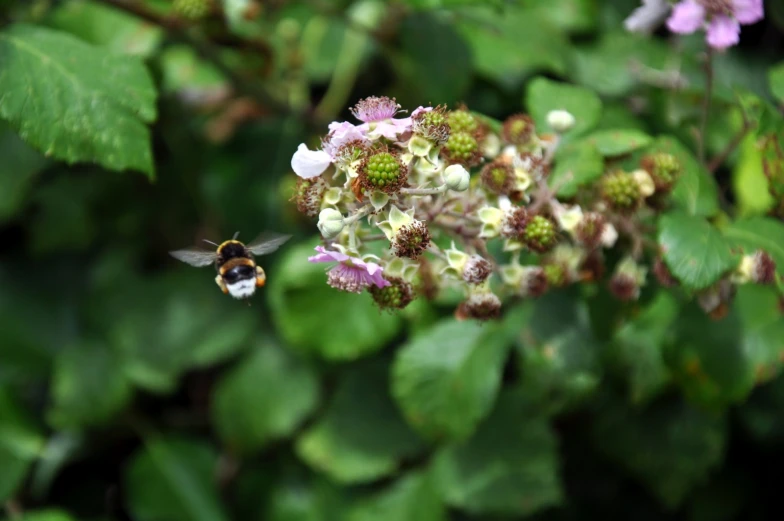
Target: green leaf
105	26
166	325
776	81
19	168
758	233
59	97
413	497
20	444
361	437
265	397
763	329
543	95
173	479
670	447
88	385
569	15
637	349
500	55
708	358
305	498
576	164
696	191
446	379
509	466
618	142
558	353
695	251
312	316
445	65
749	182
619	61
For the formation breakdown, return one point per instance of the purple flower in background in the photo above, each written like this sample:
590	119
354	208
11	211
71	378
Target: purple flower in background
351	273
721	18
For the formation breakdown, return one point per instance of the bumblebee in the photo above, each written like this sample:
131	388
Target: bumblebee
238	273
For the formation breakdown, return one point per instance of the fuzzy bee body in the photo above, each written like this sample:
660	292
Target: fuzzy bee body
238	274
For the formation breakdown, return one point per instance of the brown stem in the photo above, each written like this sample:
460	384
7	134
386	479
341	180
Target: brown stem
179	30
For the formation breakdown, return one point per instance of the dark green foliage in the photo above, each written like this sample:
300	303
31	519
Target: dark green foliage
131	387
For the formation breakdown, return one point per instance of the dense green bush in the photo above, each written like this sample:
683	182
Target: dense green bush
132	388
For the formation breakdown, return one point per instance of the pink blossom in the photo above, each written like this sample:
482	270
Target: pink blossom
377	114
721	19
308	163
351	273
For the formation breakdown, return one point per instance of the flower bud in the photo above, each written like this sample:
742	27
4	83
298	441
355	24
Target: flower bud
330	223
457	178
645	182
560	121
397	295
627	280
476	270
480	305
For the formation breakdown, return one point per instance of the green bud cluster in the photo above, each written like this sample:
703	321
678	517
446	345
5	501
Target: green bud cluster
397	295
192	9
540	234
622	192
383	171
498	177
463	121
462	148
518	129
664	169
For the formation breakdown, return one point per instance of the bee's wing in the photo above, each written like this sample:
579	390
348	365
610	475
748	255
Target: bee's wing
266	243
198	257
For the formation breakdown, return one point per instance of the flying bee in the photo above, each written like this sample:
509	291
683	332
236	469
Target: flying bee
238	273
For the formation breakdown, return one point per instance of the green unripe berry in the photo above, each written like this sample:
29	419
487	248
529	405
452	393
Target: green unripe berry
462	148
518	129
664	170
383	171
463	121
192	9
397	295
555	274
622	192
540	234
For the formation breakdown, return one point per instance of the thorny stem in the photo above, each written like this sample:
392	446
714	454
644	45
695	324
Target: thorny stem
706	103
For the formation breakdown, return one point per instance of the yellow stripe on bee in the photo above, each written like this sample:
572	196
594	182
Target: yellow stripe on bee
233	263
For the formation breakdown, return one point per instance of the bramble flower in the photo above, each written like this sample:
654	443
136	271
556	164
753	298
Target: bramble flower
351	274
720	18
308	163
377	116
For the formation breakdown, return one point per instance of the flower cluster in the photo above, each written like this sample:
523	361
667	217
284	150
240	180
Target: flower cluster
411	207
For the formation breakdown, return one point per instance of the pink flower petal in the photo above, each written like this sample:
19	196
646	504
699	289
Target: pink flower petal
326	255
687	16
723	32
748	11
308	163
340	134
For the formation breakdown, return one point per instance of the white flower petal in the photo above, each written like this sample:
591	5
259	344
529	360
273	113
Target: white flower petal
308	163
